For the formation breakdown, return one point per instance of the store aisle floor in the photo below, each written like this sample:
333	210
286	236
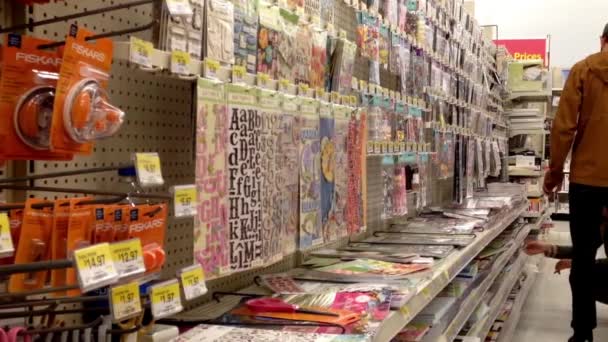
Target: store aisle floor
546	314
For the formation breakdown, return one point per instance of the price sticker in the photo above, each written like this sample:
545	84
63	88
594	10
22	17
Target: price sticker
140	52
179	62
148	170
263	79
179	7
7	247
238	74
405	311
211	68
166	299
95	266
371	147
320	93
128	258
184	200
193	281
125	301
353	100
303	89
284	84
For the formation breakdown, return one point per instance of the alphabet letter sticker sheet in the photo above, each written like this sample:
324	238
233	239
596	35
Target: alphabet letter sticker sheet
210	224
272	220
310	175
244	178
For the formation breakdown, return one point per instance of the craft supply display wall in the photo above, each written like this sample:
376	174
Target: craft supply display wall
161	117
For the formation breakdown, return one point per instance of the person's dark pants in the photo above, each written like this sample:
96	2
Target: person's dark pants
600	283
586	203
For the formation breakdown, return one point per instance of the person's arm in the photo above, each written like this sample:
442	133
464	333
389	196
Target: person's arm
564	126
558	252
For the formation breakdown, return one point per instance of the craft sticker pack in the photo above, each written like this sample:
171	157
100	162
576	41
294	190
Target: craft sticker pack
303	52
245	35
244	178
328	170
272	215
388	186
287	158
354	158
310	175
210	224
286	51
337	216
220	30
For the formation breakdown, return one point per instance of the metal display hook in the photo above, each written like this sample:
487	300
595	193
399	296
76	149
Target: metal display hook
84	191
30	25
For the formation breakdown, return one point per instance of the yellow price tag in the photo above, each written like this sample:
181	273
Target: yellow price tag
193	282
125	301
7	247
128	257
362	85
320	93
303	89
238	73
371	147
140	51
166	299
179	62
405	311
184	200
353	100
95	266
263	79
211	68
148	169
284	84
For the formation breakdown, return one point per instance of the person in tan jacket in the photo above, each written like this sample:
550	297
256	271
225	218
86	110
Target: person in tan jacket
581	126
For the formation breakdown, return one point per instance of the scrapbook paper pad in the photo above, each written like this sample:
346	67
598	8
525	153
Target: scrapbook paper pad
328	170
337	216
310	175
437	251
369	267
288	158
355	203
218	333
319	59
244	178
210	224
272	182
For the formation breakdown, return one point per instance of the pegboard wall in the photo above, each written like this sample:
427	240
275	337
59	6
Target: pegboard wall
161	118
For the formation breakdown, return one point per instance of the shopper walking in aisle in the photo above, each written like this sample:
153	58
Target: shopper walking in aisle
581	125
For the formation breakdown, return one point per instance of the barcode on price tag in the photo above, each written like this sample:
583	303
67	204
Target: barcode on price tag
95	266
6	241
184	200
140	52
166	299
179	7
125	301
193	281
128	258
148	170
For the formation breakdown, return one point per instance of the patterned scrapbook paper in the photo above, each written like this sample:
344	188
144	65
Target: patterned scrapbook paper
357	156
272	215
362	191
288	157
310	175
319	59
210	224
269	39
286	49
303	54
244	178
328	170
217	333
337	217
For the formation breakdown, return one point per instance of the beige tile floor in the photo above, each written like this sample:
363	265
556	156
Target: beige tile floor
546	314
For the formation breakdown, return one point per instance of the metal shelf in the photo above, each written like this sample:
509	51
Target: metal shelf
521	172
441	277
530	95
509	326
482	328
470	303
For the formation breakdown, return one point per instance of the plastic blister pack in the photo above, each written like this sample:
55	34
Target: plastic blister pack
388	186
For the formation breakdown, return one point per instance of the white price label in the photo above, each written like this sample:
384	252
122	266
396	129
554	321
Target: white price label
125	301
6	241
166	299
193	281
128	258
179	7
148	170
184	200
95	266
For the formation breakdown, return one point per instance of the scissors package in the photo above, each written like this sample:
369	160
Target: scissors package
59	239
29	79
149	223
34	245
82	111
